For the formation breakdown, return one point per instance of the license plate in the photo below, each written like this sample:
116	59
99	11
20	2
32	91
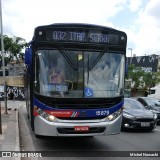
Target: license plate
81	128
145	124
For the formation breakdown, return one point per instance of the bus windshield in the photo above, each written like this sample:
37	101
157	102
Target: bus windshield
62	73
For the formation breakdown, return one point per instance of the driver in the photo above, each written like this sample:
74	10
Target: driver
56	76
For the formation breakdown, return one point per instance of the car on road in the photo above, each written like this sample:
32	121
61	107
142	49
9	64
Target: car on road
136	116
151	104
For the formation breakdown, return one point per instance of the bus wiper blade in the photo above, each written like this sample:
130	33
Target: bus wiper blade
69	60
97	59
88	70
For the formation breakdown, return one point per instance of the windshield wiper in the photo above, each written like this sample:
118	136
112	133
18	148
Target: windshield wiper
67	57
88	69
97	59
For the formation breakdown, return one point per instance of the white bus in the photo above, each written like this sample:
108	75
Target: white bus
75	80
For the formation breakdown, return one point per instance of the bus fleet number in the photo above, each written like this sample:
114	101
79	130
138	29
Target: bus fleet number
102	113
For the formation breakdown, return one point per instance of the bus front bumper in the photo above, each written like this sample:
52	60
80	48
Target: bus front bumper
66	127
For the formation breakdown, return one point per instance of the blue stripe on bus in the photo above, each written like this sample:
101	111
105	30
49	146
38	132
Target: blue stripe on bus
88	112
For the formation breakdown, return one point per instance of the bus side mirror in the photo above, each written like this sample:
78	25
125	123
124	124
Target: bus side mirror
28	56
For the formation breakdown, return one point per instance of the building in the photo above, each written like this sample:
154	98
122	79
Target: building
15	69
149	63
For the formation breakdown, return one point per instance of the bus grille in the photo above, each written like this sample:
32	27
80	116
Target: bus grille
79	103
81	118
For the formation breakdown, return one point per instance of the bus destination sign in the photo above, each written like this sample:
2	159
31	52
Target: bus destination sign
84	37
81	37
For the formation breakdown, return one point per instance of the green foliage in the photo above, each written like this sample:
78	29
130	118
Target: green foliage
142	80
136	74
13	47
7	43
6	60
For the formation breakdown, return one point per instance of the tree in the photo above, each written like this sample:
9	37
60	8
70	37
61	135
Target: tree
142	80
135	74
13	47
16	47
7	43
151	79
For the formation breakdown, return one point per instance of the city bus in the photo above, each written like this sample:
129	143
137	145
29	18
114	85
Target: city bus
74	80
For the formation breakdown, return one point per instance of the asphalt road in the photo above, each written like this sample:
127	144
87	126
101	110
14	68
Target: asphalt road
95	147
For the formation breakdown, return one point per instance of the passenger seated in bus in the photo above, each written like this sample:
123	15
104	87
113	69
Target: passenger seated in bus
101	78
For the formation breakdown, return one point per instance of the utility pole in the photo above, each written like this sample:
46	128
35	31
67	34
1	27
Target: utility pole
131	55
3	64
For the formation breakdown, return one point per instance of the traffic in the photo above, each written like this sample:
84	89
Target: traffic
128	141
136	116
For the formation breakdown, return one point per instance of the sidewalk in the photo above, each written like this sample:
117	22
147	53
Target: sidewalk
9	139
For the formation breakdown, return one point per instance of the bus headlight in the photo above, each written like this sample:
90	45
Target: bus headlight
51	118
113	116
44	114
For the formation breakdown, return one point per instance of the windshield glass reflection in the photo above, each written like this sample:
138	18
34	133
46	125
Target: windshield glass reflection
68	73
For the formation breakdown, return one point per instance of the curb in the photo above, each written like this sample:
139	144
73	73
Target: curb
11	141
25	135
17	146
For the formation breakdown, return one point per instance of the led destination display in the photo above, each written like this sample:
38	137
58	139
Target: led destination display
85	36
81	37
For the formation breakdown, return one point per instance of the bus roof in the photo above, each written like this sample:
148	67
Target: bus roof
116	34
79	25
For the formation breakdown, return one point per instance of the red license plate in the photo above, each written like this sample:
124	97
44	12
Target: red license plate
81	128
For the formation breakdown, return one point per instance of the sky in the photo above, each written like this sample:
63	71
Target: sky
138	18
